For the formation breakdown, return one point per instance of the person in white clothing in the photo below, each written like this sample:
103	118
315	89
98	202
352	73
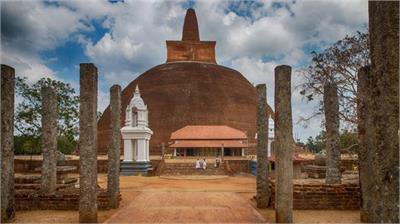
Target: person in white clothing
204	164
197	164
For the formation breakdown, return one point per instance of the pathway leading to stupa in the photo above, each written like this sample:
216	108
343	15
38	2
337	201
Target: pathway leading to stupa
187	207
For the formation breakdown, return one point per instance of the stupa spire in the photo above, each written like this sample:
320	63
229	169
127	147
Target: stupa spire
190	48
190	27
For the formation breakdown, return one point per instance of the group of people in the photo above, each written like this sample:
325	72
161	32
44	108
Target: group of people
202	164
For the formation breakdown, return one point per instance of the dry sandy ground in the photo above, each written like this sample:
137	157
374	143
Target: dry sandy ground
146	188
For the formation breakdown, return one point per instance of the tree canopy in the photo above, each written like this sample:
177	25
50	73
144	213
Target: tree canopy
338	64
28	115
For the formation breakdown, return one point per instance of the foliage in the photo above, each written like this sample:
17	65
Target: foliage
66	145
26	145
348	142
28	114
317	144
338	64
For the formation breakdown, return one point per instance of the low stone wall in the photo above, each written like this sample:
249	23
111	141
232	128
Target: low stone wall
346	164
238	166
61	200
323	196
29	166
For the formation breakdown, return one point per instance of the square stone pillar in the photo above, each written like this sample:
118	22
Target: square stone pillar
114	150
49	140
88	144
284	145
7	143
128	153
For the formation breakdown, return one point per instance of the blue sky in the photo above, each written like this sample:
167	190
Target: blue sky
126	38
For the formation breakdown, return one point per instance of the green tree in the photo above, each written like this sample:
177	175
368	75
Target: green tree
28	115
348	142
317	144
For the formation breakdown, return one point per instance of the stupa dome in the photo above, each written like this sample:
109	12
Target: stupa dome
189	89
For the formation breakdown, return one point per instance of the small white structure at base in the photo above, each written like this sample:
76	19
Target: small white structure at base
136	135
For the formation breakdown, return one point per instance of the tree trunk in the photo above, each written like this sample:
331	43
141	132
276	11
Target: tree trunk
7	143
331	108
384	45
88	144
284	146
263	193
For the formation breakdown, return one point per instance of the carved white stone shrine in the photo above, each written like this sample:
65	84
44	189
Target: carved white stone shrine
136	135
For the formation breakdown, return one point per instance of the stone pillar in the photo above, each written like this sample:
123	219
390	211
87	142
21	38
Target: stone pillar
7	143
366	138
384	46
88	144
331	108
263	194
114	150
49	140
284	146
128	154
141	152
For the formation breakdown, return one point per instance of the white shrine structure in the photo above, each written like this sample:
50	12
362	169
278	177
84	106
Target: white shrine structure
136	135
271	135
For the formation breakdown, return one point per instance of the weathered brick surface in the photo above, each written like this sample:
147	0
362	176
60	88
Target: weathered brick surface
323	196
61	200
238	166
30	166
188	93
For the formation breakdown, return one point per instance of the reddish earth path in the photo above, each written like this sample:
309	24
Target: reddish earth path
187	207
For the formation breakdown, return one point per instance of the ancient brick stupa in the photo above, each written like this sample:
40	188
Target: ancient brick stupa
190	88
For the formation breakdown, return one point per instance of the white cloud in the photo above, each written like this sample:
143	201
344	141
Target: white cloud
26	65
137	30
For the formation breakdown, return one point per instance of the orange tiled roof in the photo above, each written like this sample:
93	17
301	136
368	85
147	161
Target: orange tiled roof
208	144
207	132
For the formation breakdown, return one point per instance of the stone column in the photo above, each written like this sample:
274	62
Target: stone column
284	146
331	108
113	151
263	194
7	143
88	144
384	46
366	138
141	150
49	140
128	152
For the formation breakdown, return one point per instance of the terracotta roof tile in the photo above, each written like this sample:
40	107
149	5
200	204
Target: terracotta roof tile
208	132
208	144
